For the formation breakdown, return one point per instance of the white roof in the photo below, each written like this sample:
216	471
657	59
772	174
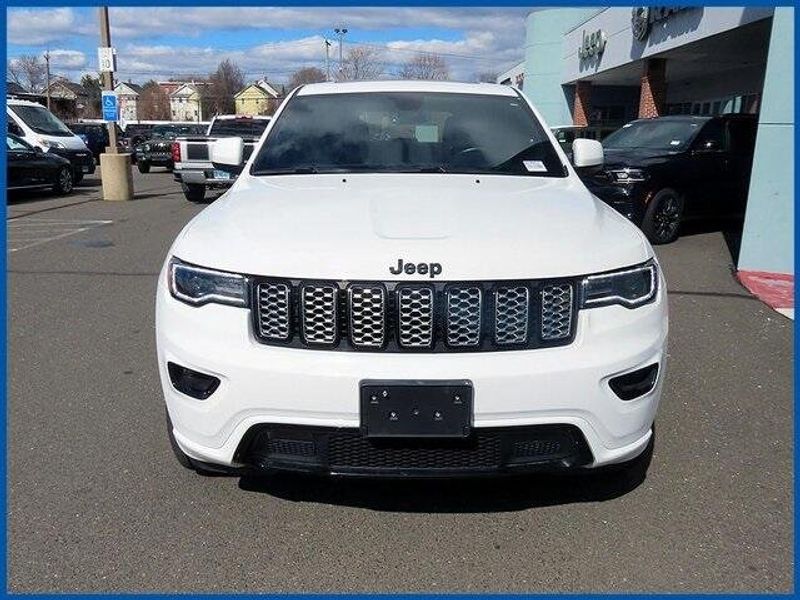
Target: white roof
227	117
451	87
264	85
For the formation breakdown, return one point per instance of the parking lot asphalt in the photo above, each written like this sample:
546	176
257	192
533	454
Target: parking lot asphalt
98	503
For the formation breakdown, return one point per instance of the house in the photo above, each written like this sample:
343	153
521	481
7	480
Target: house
14	89
70	100
128	99
186	102
258	98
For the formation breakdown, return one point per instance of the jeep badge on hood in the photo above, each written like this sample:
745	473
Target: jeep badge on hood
431	269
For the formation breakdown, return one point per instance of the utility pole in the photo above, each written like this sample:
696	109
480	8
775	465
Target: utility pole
108	76
327	59
47	89
340	32
115	168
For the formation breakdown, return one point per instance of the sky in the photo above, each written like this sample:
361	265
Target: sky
271	42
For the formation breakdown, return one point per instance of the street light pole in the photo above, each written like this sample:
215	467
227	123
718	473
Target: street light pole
340	32
108	76
47	89
327	60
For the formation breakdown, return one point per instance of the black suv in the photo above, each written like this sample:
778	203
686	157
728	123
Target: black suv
658	172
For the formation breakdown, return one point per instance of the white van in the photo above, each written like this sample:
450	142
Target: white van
41	128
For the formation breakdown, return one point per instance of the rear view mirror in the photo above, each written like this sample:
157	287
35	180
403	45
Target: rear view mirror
228	151
587	153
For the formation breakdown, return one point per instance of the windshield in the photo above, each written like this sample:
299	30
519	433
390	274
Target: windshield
654	134
41	120
402	132
246	128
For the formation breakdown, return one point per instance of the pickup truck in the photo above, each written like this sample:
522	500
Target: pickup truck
192	155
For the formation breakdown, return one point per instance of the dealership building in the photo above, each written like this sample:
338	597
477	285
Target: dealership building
602	67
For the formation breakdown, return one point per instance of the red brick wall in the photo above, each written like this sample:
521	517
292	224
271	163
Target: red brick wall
653	88
581	104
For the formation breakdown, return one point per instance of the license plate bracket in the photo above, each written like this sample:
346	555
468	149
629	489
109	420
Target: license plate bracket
416	408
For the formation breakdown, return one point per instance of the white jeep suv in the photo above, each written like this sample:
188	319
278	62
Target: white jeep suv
409	279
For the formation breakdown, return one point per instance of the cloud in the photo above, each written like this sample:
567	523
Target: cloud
67	59
36	27
140	22
151	42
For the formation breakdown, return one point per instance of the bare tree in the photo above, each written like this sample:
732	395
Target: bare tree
27	70
153	102
361	63
486	77
425	66
223	84
306	75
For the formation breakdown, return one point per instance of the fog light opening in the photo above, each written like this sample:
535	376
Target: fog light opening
636	383
192	383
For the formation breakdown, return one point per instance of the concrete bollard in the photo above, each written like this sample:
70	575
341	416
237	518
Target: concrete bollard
115	173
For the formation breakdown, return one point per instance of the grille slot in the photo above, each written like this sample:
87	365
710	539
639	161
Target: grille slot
353	450
273	304
415	317
367	316
318	308
511	314
556	311
464	308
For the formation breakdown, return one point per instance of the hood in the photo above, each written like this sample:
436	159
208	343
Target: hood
636	157
70	142
358	226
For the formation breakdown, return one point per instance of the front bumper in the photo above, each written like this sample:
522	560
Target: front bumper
272	387
82	160
157	159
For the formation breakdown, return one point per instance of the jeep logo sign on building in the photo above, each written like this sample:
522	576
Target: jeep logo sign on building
593	44
642	17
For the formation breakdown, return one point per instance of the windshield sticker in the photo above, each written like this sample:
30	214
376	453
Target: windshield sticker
675	143
534	166
627	125
427	133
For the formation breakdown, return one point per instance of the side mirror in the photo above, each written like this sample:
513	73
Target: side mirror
228	151
587	153
37	150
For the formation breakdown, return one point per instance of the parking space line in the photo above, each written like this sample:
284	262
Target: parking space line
29	233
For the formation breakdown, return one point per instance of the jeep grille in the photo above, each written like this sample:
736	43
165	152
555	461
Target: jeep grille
414	317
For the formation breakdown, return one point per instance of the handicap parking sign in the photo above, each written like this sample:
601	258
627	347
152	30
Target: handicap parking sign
110	106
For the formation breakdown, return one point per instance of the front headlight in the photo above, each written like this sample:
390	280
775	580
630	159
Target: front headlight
47	144
198	286
629	287
627	175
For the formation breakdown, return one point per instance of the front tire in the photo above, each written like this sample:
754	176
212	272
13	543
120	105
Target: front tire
663	217
144	167
194	192
64	181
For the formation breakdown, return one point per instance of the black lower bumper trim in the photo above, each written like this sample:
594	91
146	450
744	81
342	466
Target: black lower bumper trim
487	451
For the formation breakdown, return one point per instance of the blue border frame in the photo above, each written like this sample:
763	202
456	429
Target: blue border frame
356	3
